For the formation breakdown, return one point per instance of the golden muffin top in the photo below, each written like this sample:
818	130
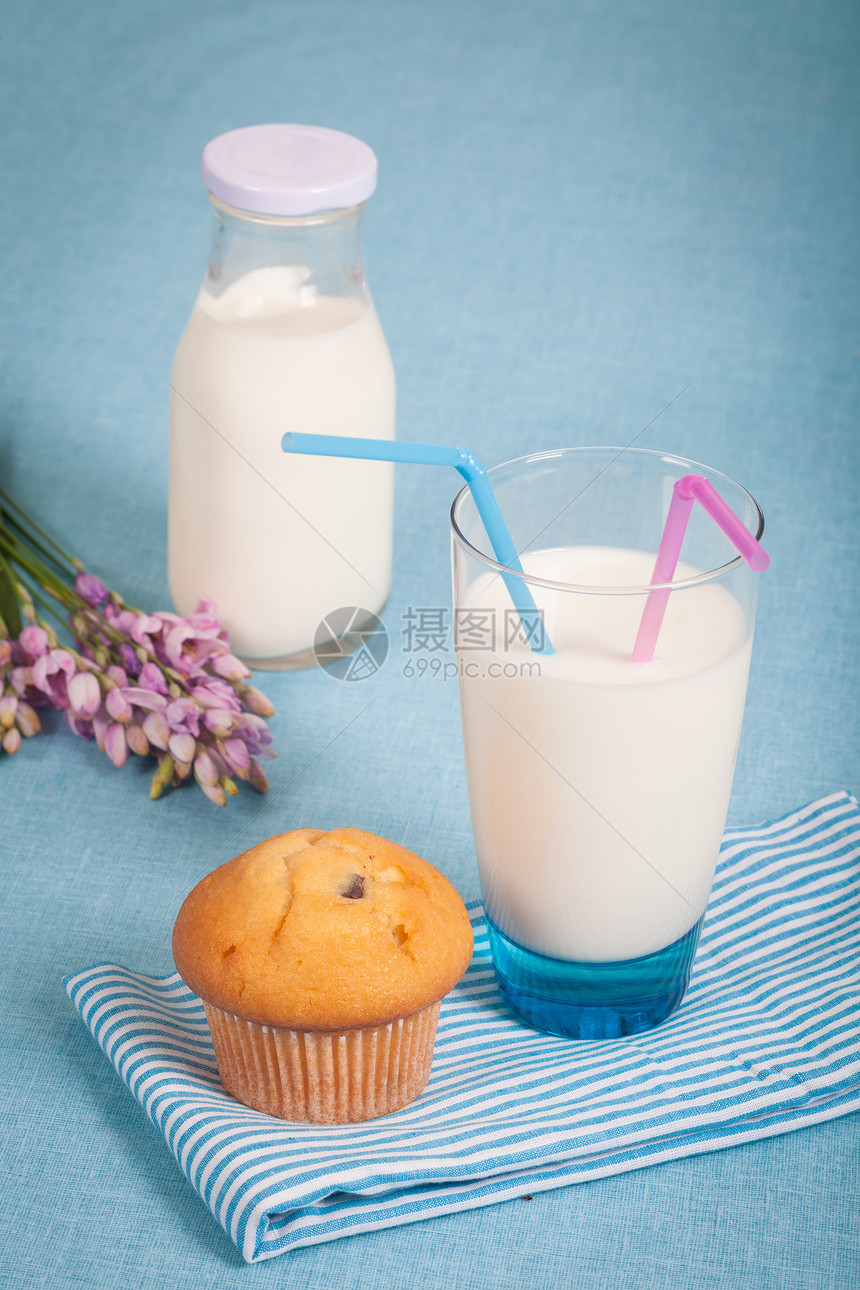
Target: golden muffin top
323	931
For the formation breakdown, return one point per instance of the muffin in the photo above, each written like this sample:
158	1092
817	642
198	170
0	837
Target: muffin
321	960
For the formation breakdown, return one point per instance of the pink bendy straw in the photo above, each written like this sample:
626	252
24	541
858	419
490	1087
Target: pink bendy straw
686	490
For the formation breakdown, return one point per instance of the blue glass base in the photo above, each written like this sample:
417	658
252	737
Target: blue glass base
592	1000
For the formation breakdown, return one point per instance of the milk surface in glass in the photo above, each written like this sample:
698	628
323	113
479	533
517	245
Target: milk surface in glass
278	541
599	786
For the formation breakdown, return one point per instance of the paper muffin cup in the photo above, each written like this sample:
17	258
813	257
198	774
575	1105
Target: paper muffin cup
323	1076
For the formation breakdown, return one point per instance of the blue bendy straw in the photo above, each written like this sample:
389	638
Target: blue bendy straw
475	475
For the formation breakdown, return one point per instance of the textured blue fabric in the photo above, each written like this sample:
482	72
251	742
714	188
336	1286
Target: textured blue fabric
767	1040
584	208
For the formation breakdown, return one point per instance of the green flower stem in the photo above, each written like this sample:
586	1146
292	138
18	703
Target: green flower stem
46	604
16	532
33	566
9	599
28	520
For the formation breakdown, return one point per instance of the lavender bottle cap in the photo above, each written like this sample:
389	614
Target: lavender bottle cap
288	169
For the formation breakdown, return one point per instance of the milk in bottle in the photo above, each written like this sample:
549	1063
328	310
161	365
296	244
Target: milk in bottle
283	336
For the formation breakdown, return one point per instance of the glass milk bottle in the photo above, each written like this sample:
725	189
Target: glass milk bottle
283	336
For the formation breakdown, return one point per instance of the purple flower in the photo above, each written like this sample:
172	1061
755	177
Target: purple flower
80	726
151	677
221	721
101	721
157	729
34	641
85	695
258	778
205	770
27	720
23	685
52	673
236	755
214	792
149	683
137	740
182	748
129	660
230	667
185	650
184	715
205	621
145	698
90	588
256	735
216	694
116	745
118	705
208	777
256	702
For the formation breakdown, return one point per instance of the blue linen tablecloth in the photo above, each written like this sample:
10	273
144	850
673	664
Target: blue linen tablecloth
594	223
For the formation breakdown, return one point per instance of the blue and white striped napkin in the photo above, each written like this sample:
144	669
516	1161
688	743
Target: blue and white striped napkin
767	1040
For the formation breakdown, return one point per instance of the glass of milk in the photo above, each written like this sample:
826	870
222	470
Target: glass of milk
599	786
283	336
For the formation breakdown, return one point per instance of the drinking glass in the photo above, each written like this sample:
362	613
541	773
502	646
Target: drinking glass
598	786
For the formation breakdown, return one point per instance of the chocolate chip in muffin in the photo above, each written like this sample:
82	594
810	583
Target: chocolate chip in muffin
355	887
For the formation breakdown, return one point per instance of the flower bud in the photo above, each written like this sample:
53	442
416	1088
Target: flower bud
182	748
78	726
12	741
118	705
116	745
230	667
257	727
8	707
236	755
215	793
161	778
220	721
182	770
256	702
258	777
157	730
145	698
137	740
22	682
85	694
184	716
34	640
90	588
152	678
205	770
27	719
101	721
